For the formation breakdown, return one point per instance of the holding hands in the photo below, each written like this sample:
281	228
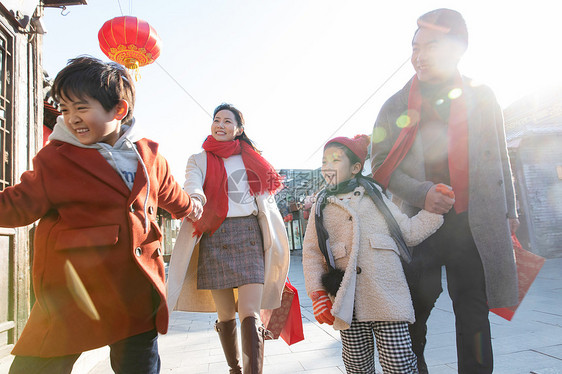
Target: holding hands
322	305
439	199
197	210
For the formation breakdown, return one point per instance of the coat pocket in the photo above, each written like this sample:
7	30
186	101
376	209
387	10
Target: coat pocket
380	241
100	236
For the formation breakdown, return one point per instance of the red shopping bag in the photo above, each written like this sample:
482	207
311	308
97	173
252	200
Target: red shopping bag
285	321
528	266
292	331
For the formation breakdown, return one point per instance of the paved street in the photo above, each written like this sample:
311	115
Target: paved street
530	343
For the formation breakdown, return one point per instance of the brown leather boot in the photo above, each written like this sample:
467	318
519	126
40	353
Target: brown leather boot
252	345
228	337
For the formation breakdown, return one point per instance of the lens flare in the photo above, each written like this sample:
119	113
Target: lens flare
408	118
455	93
403	121
379	134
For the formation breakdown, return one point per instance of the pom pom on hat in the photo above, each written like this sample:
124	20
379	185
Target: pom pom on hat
359	145
447	21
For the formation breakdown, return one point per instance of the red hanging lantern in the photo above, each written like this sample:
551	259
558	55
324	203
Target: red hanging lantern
129	41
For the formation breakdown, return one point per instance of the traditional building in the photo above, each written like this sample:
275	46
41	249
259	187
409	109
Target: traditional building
534	135
298	185
21	136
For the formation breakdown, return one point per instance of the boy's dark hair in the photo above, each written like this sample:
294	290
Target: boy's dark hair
239	122
108	83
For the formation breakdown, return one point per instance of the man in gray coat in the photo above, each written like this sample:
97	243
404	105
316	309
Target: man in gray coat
439	144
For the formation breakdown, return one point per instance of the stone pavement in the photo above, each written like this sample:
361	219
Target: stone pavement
530	343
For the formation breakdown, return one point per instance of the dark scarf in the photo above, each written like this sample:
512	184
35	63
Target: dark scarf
457	143
262	178
332	279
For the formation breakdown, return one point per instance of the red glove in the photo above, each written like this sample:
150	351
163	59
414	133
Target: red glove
321	305
445	190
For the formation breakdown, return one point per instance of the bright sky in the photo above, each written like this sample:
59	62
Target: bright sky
300	69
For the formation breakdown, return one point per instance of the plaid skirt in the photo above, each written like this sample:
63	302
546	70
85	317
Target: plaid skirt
232	256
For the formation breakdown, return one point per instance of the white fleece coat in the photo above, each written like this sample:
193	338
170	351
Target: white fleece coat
182	273
374	284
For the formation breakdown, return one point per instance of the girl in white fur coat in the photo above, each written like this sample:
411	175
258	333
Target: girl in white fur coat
362	241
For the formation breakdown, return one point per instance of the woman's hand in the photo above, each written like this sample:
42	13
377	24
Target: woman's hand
197	210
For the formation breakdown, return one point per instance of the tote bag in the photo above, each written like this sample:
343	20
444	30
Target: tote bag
285	321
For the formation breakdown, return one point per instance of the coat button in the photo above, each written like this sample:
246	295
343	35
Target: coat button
358	270
138	251
132	208
252	242
224	246
150	210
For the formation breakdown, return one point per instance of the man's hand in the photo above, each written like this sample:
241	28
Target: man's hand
197	210
321	305
438	202
513	225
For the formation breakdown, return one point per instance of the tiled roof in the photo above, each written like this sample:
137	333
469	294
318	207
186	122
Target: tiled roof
540	112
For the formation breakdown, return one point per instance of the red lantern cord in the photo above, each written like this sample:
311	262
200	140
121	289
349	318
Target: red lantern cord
129	41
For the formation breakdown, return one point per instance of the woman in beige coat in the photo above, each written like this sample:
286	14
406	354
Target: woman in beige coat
373	295
236	257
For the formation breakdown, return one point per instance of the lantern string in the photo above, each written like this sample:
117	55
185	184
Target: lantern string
360	106
120	9
183	89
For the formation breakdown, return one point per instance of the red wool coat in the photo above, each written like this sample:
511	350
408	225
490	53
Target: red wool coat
90	218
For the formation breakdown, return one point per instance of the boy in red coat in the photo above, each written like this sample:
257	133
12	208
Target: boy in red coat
98	273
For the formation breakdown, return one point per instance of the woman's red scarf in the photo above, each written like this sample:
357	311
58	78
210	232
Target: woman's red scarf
262	178
457	144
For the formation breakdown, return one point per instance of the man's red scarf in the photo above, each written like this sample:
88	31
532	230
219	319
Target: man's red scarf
262	178
457	145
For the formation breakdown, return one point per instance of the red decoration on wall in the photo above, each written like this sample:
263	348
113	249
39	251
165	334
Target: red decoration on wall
129	41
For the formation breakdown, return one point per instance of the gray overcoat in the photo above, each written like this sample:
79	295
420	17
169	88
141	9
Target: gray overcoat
491	192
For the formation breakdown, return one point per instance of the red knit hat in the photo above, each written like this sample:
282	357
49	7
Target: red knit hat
447	21
358	145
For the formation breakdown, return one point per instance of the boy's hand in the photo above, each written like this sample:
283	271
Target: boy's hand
439	199
321	305
197	210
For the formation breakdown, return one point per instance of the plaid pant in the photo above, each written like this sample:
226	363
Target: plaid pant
393	344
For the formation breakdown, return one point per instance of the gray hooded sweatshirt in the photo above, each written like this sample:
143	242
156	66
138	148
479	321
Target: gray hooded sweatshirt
122	156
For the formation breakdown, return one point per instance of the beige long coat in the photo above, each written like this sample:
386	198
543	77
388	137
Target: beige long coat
182	273
374	284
